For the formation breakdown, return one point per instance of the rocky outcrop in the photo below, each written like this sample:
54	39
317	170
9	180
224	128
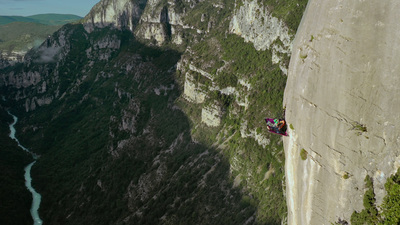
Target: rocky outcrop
24	79
31	105
211	115
255	23
161	22
13	56
152	20
153	31
245	132
103	48
342	99
120	14
193	90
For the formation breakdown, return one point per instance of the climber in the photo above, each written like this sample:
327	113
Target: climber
281	126
277	126
273	129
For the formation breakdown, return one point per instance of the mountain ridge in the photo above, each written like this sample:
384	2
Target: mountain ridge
48	19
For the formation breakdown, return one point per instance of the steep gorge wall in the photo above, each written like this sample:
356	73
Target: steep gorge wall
254	22
121	14
342	104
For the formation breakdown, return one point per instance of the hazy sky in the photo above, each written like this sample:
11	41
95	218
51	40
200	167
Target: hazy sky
32	7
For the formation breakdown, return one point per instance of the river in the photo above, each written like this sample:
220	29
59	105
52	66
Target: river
28	179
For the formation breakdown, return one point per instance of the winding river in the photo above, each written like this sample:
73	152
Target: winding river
28	179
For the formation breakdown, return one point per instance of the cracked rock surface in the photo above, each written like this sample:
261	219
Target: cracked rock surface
343	106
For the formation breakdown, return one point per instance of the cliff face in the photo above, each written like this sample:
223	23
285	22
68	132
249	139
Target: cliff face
151	20
342	101
121	14
255	24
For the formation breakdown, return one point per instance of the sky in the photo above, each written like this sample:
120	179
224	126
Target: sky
33	7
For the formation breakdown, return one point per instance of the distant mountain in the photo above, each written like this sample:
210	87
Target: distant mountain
48	19
22	36
18	34
10	19
55	19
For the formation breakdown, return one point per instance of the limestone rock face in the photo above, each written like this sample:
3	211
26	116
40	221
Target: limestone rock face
153	31
342	104
152	20
211	115
121	14
31	105
192	90
24	79
255	23
161	21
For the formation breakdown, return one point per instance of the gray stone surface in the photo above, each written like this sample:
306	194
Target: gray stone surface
343	74
211	115
123	13
254	22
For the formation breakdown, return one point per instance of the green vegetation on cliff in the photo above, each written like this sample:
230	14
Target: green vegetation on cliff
370	214
289	11
388	212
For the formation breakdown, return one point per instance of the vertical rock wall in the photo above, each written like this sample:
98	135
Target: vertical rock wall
254	23
342	103
121	14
